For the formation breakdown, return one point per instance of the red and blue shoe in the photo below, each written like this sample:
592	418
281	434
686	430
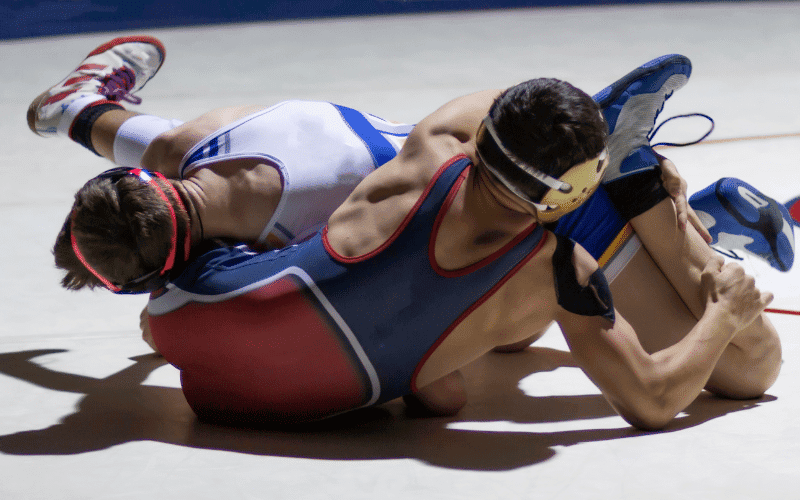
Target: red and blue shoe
740	217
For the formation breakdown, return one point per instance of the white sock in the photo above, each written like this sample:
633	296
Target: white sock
135	134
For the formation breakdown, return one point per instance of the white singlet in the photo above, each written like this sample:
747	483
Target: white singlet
321	150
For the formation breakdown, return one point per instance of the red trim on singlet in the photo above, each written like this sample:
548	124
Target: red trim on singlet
474	306
454	273
352	260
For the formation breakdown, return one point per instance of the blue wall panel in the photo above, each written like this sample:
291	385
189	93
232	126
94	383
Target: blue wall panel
34	18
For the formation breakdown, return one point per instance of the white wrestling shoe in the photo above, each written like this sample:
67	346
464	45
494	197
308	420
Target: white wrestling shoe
110	73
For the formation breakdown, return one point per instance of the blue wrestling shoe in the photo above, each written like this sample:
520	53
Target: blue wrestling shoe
631	106
740	217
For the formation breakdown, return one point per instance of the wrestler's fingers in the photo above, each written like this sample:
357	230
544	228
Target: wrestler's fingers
676	187
144	325
682	209
715	262
766	299
698	225
708	277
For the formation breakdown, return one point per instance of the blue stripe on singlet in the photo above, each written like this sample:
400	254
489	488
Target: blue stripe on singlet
395	129
379	147
196	156
202	153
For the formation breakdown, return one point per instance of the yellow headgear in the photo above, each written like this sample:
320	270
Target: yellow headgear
566	193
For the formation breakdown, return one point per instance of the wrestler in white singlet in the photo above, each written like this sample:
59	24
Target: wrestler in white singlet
321	150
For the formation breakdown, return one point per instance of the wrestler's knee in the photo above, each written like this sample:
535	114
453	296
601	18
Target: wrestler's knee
443	397
750	365
167	148
520	345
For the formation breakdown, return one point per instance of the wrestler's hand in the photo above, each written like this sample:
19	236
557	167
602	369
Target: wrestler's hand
726	285
144	324
676	187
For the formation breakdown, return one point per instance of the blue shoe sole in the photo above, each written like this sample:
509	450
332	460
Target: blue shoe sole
739	212
650	85
653	78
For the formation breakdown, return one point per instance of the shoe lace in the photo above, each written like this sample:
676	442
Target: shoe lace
732	255
681	144
117	85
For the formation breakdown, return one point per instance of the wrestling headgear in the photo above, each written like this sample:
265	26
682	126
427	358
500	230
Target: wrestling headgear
564	195
154	279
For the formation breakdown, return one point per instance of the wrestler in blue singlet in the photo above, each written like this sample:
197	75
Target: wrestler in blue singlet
302	333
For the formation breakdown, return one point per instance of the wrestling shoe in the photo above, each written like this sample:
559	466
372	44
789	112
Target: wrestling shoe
110	73
740	217
630	107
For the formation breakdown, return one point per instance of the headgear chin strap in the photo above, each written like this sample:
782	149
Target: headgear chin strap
566	193
147	177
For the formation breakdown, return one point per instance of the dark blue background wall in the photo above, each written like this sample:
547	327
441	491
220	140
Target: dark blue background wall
29	18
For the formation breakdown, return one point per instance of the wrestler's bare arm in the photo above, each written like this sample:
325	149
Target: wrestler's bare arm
752	363
460	117
648	390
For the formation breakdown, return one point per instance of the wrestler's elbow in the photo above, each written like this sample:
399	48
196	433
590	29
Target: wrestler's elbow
647	419
649	408
644	401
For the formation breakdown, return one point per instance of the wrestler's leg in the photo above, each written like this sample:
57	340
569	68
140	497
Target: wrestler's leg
136	140
522	344
105	128
751	363
165	152
443	397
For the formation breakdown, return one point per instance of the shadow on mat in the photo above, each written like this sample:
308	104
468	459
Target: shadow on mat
119	409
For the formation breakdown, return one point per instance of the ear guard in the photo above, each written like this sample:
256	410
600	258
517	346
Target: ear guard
153	279
565	194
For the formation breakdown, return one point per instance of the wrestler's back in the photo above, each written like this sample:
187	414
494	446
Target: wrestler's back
523	304
274	174
377	206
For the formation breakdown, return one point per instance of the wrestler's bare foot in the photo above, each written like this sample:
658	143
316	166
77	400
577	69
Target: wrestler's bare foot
442	398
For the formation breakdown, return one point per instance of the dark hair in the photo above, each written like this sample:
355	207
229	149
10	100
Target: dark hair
549	124
123	229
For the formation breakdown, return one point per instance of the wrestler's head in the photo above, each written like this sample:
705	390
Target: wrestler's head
545	140
125	230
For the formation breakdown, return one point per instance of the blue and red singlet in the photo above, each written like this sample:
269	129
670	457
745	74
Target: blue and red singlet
302	333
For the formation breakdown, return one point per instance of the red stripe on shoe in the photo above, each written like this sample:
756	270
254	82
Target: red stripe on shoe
57	97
